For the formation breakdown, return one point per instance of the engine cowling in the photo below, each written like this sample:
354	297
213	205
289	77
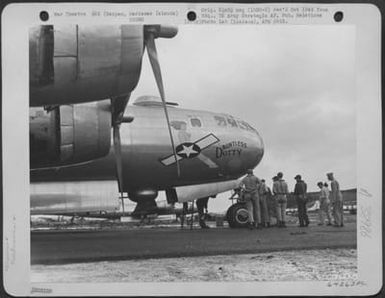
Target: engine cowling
139	195
69	134
83	63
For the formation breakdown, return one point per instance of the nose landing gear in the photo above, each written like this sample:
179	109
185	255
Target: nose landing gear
237	215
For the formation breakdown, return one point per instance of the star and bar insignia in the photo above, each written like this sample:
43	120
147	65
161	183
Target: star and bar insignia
189	150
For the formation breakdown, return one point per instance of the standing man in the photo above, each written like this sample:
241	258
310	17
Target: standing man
201	205
184	214
273	202
263	192
250	186
336	200
280	191
300	195
324	204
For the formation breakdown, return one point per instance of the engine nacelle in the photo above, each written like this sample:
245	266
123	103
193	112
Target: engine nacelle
83	63
141	195
69	134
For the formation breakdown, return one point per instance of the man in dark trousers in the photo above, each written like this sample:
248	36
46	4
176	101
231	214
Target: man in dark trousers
300	195
250	185
201	205
184	213
263	192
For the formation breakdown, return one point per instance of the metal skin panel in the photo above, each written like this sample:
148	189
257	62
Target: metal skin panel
41	49
66	135
70	134
65	41
65	56
145	143
61	198
89	63
65	69
131	51
85	131
43	136
66	115
34	56
98	58
92	130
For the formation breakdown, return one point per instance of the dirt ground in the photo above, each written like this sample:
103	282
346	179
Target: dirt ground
298	265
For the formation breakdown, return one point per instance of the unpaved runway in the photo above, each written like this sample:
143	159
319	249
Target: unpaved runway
298	265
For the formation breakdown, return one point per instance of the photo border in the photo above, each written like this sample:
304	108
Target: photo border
373	183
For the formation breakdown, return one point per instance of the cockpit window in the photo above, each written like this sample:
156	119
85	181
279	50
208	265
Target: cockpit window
178	125
246	126
232	122
221	121
242	125
195	122
250	127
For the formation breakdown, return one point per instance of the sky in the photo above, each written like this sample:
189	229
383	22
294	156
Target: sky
294	84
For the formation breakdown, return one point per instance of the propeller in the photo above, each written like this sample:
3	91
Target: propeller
151	32
119	103
118	155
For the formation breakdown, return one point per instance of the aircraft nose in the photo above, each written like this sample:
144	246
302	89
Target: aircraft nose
255	150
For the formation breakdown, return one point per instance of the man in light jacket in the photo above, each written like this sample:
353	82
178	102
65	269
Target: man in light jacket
263	192
324	204
336	201
280	190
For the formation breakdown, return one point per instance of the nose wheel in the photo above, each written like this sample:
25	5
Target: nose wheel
237	215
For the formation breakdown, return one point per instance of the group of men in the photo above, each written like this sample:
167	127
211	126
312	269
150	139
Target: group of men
331	199
256	193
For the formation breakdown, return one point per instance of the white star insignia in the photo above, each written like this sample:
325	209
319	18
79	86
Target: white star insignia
188	150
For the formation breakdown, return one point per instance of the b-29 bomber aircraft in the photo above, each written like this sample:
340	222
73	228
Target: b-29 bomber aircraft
85	149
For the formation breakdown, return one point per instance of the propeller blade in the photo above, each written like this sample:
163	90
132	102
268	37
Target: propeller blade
118	105
153	57
118	155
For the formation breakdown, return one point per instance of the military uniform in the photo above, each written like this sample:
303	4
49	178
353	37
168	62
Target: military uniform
280	190
324	207
337	203
263	192
251	184
300	195
184	213
201	205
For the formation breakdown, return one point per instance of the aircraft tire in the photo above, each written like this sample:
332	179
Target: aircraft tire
237	215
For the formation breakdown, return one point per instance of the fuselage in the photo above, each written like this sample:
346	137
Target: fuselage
210	147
